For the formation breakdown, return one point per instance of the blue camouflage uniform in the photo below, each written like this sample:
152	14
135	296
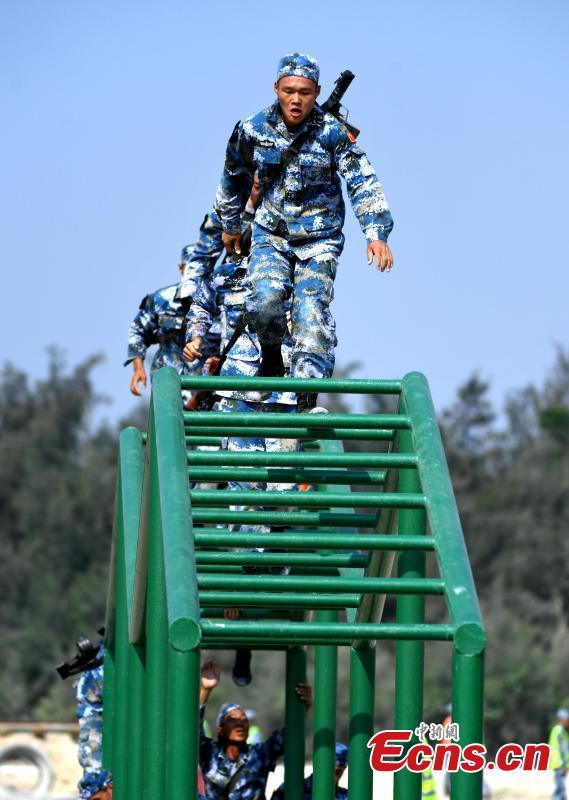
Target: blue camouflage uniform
160	321
297	235
200	258
253	766
89	692
339	794
228	286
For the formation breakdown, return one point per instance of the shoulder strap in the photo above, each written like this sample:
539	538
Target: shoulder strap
233	782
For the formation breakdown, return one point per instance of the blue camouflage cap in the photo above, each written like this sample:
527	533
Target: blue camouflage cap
187	253
563	713
225	710
299	64
341	755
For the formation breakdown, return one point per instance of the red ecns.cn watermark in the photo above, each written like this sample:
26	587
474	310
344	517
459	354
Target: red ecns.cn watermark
390	754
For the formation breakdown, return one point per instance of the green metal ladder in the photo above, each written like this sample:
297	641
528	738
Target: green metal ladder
174	568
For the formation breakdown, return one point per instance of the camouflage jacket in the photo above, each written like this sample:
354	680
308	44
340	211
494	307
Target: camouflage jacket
228	289
89	693
307	195
159	321
200	258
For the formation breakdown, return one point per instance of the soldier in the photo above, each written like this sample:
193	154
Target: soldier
96	782
339	793
299	153
160	320
199	259
228	288
233	769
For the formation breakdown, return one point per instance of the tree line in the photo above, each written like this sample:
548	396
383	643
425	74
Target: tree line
510	470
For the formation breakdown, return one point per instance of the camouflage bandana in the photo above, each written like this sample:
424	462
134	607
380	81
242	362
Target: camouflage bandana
299	64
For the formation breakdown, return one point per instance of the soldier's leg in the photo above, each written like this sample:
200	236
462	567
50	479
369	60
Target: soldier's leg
270	274
313	328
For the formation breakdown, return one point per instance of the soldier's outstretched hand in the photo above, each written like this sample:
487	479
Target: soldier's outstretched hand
304	691
192	350
138	376
210	675
382	254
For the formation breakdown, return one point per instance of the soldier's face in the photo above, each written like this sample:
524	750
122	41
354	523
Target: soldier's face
296	98
236	726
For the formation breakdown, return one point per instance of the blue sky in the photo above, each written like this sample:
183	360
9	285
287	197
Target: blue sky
115	119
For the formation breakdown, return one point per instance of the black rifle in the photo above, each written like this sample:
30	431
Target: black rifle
85	658
333	105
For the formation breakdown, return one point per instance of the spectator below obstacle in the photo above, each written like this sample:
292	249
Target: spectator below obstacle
233	769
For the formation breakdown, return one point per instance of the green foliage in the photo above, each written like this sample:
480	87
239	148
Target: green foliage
56	504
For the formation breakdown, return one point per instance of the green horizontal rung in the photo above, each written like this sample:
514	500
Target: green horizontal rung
217	537
216	569
276	583
272	475
211	441
203	497
328	385
315	632
276	420
281	599
283	559
296	459
318	519
265	432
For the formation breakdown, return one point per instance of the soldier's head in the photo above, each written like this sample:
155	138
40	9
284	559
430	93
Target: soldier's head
297	87
185	258
232	724
341	761
563	717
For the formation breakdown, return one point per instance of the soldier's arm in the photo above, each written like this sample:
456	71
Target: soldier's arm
236	181
367	198
141	334
142	331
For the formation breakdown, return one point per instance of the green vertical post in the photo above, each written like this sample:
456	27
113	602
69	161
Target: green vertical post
295	721
325	686
183	723
156	646
120	725
409	665
109	706
362	697
136	721
468	712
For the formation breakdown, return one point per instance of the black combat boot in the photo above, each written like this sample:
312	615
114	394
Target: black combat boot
241	672
271	362
306	401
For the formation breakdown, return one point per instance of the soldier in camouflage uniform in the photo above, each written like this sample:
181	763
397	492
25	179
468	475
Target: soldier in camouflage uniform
160	320
297	233
199	259
228	289
96	781
233	769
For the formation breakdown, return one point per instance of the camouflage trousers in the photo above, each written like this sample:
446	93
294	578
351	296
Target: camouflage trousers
304	270
253	444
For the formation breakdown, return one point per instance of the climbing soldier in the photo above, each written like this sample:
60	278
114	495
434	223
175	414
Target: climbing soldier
299	152
233	769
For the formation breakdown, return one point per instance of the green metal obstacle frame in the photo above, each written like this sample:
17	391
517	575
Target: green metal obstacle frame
174	568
